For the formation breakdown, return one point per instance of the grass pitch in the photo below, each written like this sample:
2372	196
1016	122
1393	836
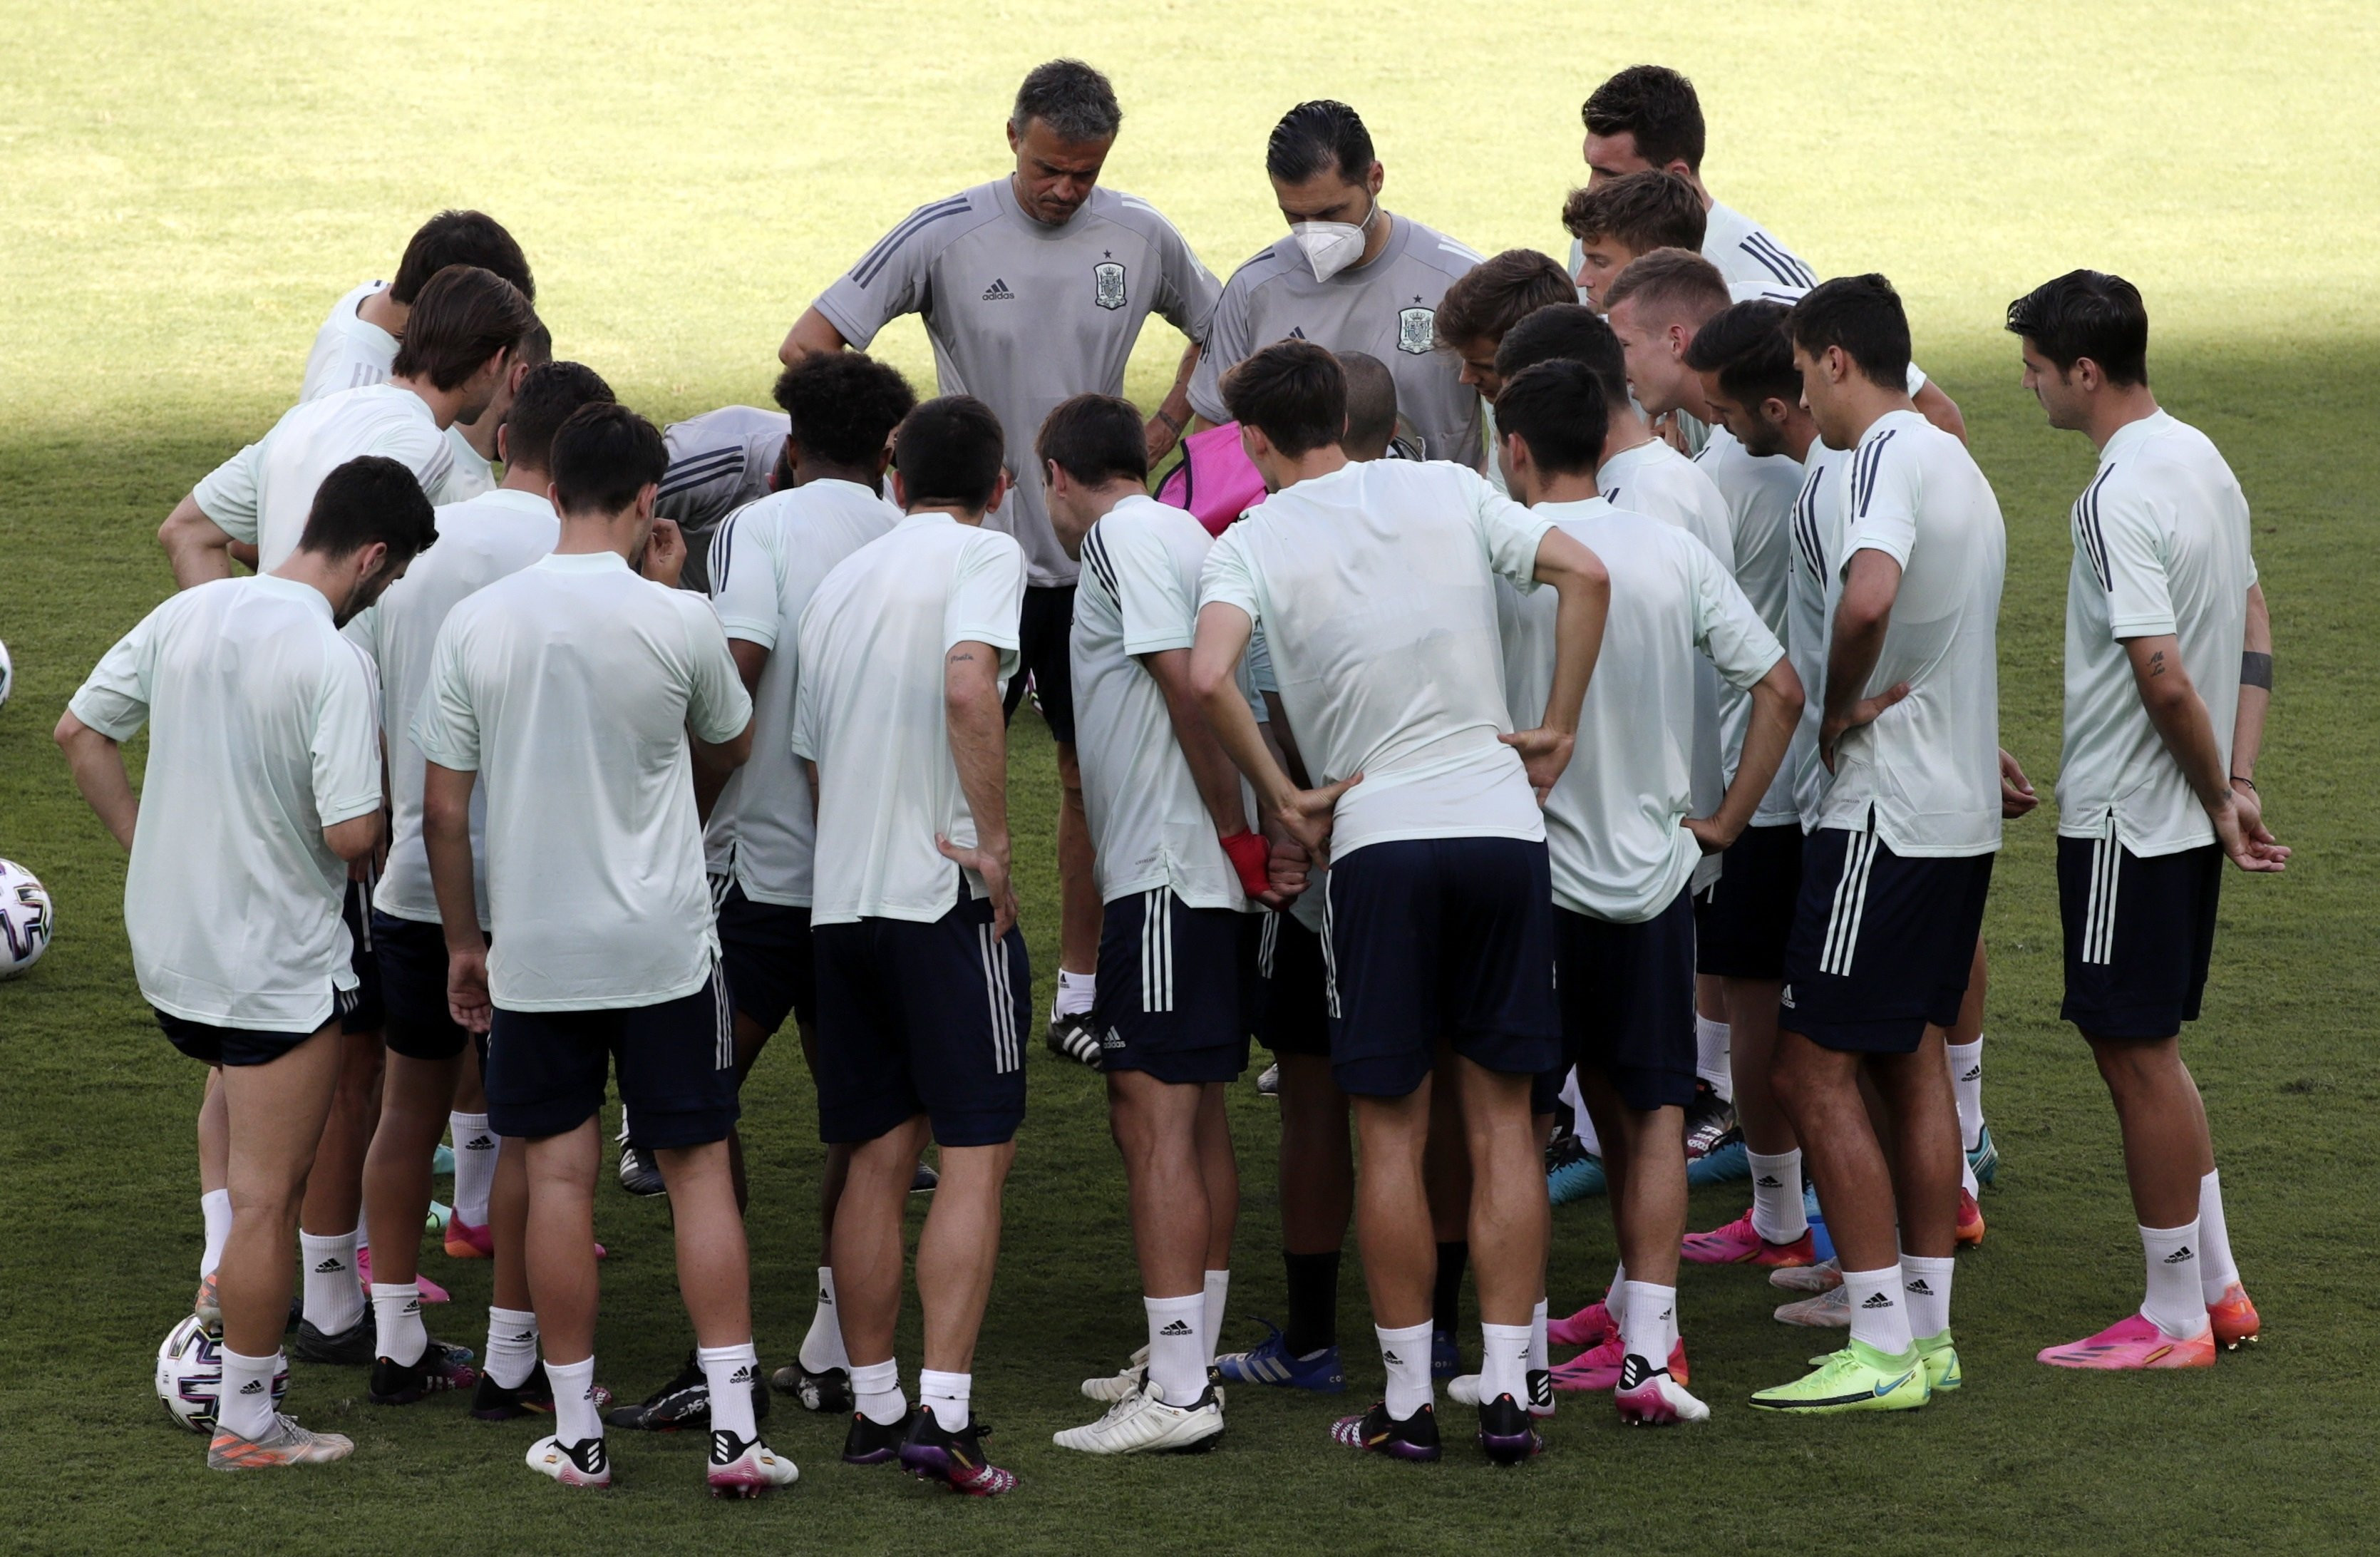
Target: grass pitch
190	186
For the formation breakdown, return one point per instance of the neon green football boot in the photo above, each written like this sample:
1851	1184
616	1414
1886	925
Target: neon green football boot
1941	1358
1858	1377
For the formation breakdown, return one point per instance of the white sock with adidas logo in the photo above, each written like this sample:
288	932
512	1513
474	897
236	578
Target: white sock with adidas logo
476	1147
334	1299
512	1347
1926	1284
1879	1316
1405	1354
730	1371
1967	1086
822	1347
244	1398
2175	1303
397	1315
1777	1214
1177	1346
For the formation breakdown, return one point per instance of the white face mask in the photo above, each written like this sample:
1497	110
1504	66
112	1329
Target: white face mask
1331	246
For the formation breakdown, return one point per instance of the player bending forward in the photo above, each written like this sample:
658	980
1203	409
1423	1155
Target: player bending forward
1373	586
923	990
585	694
2168	671
263	782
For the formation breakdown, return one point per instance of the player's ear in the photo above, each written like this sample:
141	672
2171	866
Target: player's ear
503	443
646	496
1373	177
900	492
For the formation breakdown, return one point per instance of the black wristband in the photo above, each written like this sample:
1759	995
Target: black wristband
2255	669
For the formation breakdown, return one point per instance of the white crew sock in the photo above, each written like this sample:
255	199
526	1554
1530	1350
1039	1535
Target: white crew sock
1177	1351
1712	1042
244	1399
512	1347
822	1347
397	1315
730	1371
1967	1180
574	1417
1405	1354
1777	1212
1613	1293
1648	1322
1967	1084
363	1230
1218	1288
1504	1362
1538	1349
1582	1123
214	1207
2176	1262
2217	1269
876	1390
1879	1317
335	1295
947	1394
1074	991
1926	1284
475	1165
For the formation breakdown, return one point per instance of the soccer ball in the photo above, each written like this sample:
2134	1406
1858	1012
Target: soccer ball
189	1372
26	918
7	675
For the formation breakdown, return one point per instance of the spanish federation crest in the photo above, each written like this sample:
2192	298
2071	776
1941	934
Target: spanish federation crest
1417	330
1107	283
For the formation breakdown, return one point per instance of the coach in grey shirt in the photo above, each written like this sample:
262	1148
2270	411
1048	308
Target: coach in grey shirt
1350	276
1033	287
718	461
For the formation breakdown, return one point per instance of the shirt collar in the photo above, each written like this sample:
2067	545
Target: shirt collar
290	589
582	561
2132	433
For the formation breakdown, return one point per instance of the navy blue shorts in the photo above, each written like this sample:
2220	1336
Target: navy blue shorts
1045	637
1171	999
676	1061
412	957
2139	934
369	1011
1627	994
1882	945
1742	921
766	949
212	1045
1293	997
922	1019
1435	940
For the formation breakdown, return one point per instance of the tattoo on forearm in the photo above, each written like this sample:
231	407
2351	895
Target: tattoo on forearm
2156	665
2256	670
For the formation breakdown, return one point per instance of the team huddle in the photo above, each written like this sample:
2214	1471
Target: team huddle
1552	708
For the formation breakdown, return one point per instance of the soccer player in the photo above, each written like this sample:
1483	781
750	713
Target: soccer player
1177	866
1479	306
1616	222
585	694
2169	674
1349	276
1648	117
1034	288
1657	308
1373	429
719	461
923	989
1894	879
762	835
485	538
1440	909
357	344
1624	839
264	784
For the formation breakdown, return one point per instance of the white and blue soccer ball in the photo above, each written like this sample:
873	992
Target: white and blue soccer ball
26	918
7	675
190	1375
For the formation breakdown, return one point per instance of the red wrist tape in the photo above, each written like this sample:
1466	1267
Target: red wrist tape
1250	856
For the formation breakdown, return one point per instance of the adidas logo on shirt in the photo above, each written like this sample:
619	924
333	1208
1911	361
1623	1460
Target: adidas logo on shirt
1176	1328
2180	1255
1877	1300
330	1267
998	292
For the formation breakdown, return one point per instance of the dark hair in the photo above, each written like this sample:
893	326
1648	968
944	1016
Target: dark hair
1371	402
1316	136
1557	407
1862	315
1749	347
369	498
950	450
1073	100
843	405
2087	313
604	454
1655	105
537	347
1497	293
1565	331
1096	439
549	394
1645	211
464	316
459	237
1293	392
1676	279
